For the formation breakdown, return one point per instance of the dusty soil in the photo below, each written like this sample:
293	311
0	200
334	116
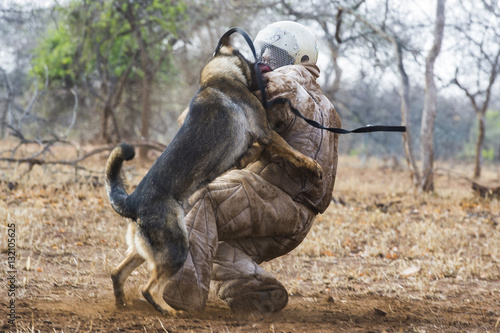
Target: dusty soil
66	308
381	259
464	310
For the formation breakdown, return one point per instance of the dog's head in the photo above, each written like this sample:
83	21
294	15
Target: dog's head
228	62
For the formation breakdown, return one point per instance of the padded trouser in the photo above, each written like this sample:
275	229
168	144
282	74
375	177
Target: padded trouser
234	224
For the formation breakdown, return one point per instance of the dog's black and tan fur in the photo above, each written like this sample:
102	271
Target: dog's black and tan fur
224	120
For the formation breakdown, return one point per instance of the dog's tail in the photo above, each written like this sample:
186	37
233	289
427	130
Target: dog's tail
114	180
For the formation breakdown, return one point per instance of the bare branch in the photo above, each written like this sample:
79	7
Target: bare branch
487	91
27	111
472	97
338	26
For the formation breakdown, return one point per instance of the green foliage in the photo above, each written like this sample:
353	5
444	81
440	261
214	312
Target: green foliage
488	154
54	56
97	40
492	140
104	49
491	147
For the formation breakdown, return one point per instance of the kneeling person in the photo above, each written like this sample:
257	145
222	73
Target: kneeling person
265	210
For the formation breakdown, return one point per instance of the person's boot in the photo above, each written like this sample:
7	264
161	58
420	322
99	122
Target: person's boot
253	293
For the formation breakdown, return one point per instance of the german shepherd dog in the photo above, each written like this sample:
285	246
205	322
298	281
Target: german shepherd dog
224	120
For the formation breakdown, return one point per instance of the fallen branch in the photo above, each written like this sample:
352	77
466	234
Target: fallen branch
485	191
482	191
31	161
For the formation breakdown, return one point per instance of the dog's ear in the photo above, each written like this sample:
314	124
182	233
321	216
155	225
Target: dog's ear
226	51
224	41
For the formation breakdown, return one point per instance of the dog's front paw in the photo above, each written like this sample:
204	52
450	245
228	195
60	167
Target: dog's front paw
120	301
314	167
318	170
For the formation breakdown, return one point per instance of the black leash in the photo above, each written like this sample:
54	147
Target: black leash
365	129
262	88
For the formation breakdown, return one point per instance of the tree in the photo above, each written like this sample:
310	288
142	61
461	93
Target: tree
101	45
153	25
125	65
479	38
90	49
423	179
430	104
404	85
20	26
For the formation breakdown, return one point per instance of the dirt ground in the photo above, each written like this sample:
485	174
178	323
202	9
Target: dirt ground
380	259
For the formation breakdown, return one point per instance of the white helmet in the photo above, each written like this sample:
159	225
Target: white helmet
286	43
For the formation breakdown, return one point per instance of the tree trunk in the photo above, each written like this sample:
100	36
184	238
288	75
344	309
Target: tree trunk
479	145
146	110
6	117
116	96
430	104
334	50
404	92
109	124
106	114
481	111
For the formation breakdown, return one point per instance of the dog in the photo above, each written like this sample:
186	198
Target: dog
224	121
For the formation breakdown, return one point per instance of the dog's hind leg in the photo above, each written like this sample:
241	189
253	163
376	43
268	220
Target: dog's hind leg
153	292
165	245
120	274
280	147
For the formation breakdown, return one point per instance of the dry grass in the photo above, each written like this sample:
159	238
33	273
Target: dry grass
418	239
379	242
